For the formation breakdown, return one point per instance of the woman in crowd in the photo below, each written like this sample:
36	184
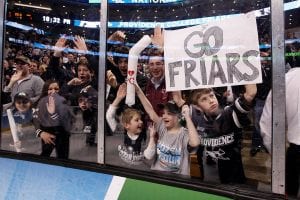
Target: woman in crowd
52	119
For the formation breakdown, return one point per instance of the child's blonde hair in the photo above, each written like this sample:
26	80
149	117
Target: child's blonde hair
128	114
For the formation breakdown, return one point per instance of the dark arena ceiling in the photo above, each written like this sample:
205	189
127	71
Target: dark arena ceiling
138	12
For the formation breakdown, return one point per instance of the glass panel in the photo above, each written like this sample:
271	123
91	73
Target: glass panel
292	60
215	54
49	92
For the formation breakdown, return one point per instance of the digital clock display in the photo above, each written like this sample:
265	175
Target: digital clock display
56	20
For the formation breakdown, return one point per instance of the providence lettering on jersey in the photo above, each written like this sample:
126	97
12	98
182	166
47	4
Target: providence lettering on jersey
218	141
129	156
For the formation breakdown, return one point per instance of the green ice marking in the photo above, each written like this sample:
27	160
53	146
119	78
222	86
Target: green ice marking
141	190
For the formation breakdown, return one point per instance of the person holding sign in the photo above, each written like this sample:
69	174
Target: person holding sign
221	130
171	151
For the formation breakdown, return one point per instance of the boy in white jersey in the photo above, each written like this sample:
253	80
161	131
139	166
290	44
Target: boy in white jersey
131	121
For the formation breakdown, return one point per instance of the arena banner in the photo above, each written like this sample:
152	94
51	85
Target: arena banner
219	53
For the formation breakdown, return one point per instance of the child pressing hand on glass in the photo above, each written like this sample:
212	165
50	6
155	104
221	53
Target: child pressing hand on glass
52	120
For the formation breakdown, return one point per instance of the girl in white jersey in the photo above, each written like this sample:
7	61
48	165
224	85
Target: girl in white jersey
171	150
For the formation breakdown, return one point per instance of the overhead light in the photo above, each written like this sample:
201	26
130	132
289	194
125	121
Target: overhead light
32	6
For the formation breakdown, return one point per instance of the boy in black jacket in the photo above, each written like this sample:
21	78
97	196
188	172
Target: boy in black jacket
87	102
221	130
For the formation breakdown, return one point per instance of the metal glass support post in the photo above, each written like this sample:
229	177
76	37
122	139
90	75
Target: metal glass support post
278	93
2	12
101	81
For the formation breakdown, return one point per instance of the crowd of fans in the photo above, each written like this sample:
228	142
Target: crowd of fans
53	81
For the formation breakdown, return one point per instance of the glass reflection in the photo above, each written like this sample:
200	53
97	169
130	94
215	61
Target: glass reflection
50	79
128	25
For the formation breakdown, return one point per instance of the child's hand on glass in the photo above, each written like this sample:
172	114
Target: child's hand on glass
122	91
185	111
51	105
152	131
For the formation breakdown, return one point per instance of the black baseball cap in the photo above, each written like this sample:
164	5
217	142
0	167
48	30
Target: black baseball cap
21	96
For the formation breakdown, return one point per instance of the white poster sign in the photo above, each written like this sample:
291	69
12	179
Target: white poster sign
220	53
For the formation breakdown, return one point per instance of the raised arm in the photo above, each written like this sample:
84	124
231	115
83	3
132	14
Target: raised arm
250	93
111	79
177	98
120	95
111	111
60	45
157	38
150	151
118	36
194	140
146	104
80	44
14	78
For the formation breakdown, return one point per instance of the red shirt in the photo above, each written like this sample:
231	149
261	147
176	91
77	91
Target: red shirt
158	95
